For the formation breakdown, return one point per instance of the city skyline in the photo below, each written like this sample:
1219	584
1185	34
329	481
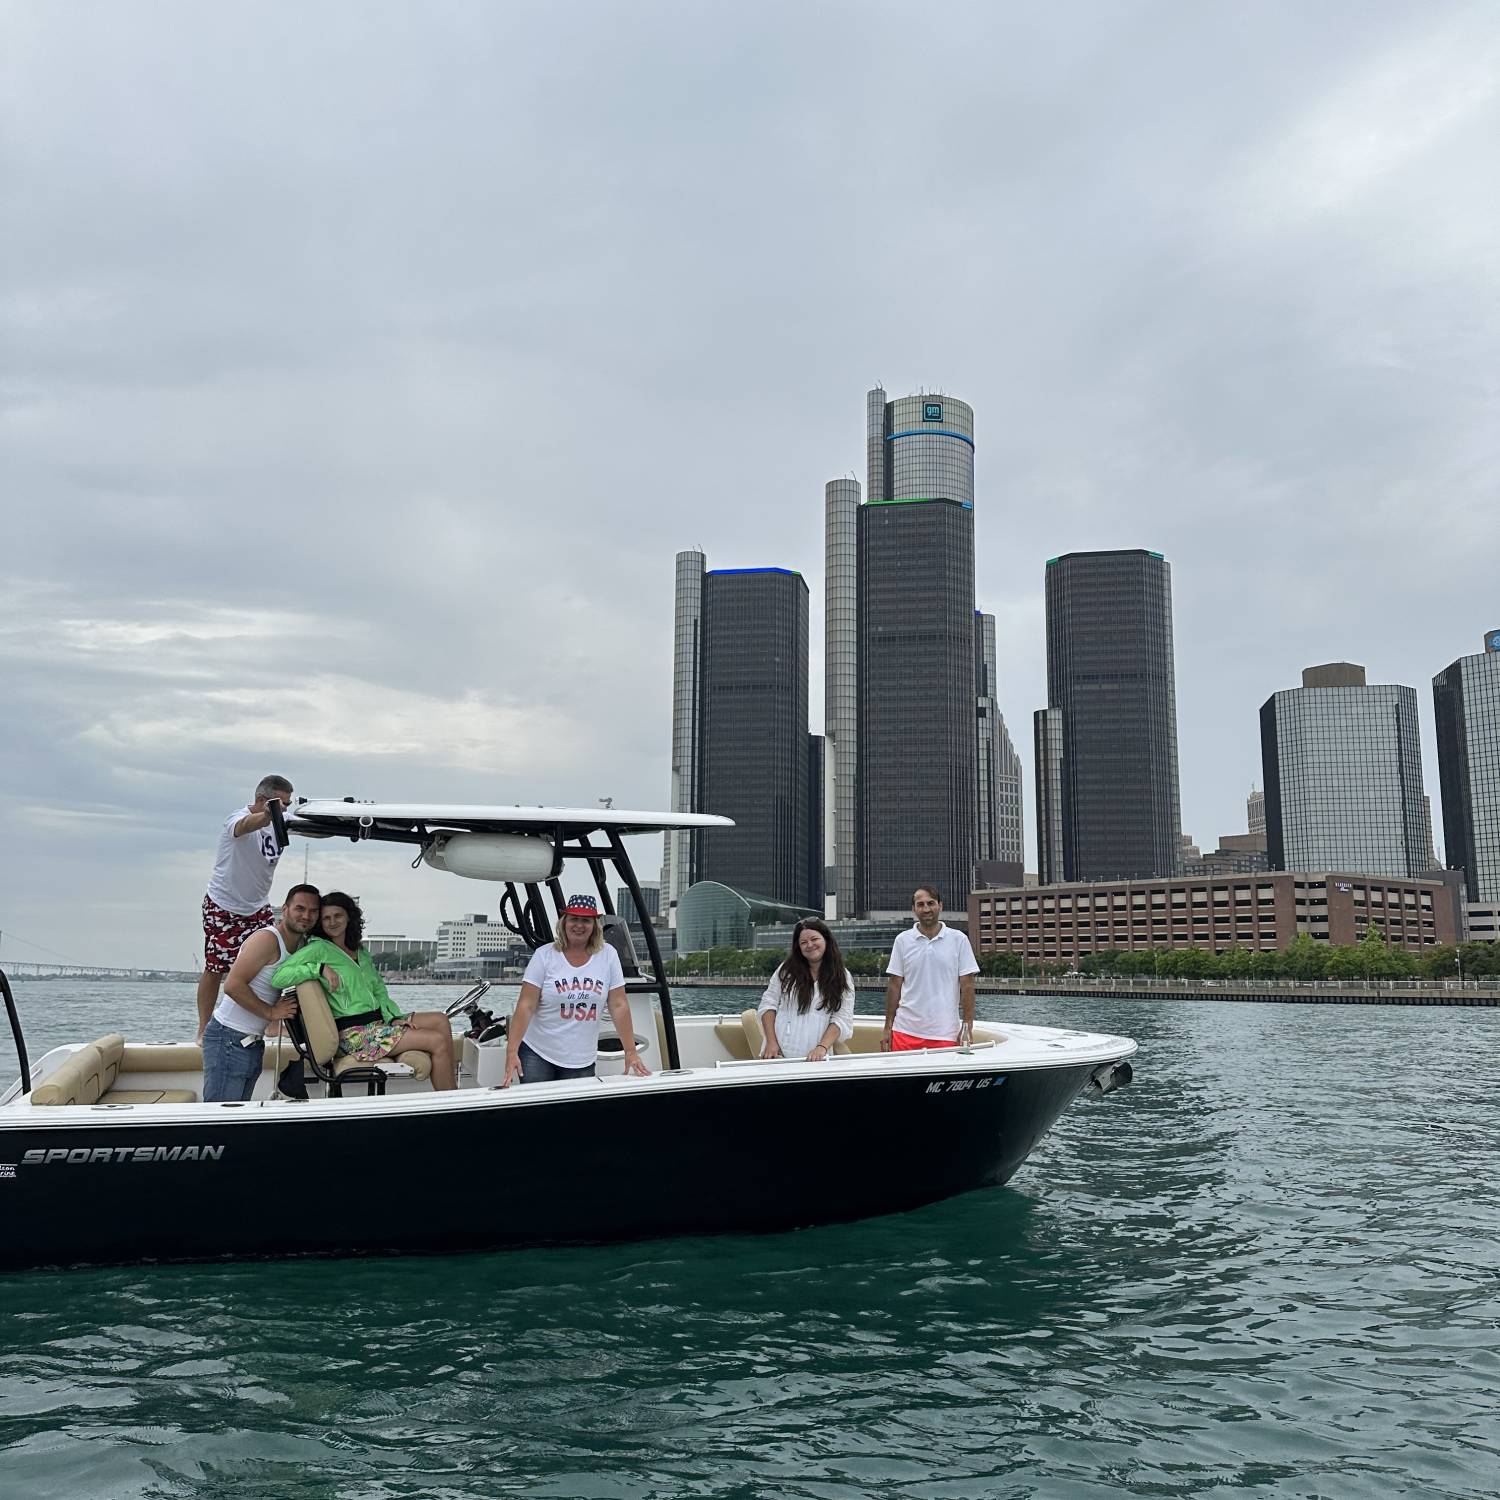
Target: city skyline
366	464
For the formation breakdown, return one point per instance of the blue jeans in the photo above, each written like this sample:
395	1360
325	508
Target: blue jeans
230	1071
536	1069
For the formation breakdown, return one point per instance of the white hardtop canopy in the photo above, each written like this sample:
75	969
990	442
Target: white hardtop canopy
414	821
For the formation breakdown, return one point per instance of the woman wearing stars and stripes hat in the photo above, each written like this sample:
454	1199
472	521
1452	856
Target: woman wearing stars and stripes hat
554	1033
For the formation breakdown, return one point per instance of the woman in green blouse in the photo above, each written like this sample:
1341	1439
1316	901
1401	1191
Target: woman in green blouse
371	1024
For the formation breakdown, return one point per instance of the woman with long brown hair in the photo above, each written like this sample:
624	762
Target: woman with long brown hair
809	1004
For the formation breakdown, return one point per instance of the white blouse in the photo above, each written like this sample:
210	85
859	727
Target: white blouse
797	1033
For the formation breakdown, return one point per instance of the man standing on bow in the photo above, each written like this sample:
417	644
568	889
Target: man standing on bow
235	905
929	994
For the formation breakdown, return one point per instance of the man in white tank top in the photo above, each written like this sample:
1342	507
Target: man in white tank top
234	1041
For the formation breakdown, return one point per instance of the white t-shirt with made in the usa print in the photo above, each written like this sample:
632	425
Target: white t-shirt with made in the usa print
565	1028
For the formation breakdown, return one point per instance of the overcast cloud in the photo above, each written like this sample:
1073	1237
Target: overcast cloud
363	366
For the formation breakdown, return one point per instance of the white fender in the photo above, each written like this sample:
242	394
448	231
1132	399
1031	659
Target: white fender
492	856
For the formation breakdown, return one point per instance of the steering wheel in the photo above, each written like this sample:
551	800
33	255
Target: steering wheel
468	1000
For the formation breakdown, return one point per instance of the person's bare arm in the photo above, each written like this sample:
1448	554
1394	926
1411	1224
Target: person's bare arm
619	1013
520	1019
966	1007
771	1047
892	1001
258	950
258	816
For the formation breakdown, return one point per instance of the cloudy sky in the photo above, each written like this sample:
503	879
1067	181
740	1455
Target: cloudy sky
362	366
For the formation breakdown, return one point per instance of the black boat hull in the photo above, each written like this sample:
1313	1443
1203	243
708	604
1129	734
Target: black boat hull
609	1162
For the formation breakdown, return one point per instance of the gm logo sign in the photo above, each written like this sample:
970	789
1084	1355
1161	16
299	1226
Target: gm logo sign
932	411
1492	641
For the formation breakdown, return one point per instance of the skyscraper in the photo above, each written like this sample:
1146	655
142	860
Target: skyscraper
752	738
1466	699
1342	762
916	782
1048	755
999	850
817	871
677	872
840	686
1011	848
1255	811
1111	678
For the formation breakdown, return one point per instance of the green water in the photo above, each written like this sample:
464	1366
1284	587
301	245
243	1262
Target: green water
1271	1265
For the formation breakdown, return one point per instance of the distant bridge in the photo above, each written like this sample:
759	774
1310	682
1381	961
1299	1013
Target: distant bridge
85	971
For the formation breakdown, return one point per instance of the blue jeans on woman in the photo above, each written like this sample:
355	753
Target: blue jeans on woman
230	1069
536	1069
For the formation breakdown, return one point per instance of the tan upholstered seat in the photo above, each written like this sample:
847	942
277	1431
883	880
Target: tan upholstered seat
88	1077
731	1037
150	1096
420	1064
75	1082
162	1057
755	1038
322	1034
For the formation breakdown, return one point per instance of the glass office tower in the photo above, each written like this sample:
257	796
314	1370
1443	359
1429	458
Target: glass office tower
917	778
1111	676
1343	775
999	849
677	872
1011	848
752	742
1046	727
840	687
1466	699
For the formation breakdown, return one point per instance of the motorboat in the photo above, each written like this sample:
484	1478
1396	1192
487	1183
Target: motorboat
108	1155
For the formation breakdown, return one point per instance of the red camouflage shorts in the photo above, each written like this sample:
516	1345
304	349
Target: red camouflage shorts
224	931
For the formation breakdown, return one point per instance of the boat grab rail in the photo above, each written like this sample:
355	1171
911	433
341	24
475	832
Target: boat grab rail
15	1032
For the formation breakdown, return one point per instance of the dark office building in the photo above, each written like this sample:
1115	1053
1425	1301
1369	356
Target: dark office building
917	791
1110	676
625	903
816	870
752	732
1466	700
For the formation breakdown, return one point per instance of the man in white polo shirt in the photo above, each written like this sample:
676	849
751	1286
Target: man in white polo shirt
929	995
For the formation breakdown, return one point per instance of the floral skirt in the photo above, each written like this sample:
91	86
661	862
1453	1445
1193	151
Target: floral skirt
371	1043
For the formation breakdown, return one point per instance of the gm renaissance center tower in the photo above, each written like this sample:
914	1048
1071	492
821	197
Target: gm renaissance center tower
899	662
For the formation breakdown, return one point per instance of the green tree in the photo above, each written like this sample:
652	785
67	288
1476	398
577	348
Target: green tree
1235	963
1305	958
1481	960
1000	965
1344	961
1185	963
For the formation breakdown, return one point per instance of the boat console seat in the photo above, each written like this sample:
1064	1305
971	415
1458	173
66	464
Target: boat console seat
322	1034
88	1077
743	1040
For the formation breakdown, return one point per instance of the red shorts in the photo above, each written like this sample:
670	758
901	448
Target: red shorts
904	1041
224	932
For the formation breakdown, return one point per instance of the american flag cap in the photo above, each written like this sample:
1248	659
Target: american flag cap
581	906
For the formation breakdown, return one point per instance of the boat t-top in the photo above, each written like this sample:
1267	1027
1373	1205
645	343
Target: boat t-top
107	1153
